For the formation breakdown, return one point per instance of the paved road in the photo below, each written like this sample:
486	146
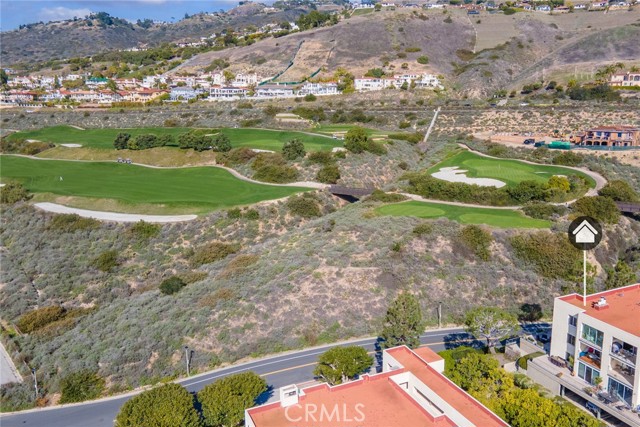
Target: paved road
294	367
279	371
8	372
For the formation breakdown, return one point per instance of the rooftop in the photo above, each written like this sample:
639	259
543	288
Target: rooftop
382	400
622	309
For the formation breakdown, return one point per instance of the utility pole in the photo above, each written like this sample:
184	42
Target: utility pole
186	355
35	380
440	315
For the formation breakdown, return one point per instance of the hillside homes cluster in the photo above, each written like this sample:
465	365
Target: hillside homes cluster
419	81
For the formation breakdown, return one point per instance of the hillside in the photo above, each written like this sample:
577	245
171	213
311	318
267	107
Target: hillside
84	37
488	52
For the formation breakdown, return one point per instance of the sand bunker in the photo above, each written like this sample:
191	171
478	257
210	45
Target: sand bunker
256	150
71	145
458	175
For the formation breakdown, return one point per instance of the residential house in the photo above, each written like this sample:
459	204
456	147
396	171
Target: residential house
125	84
319	89
153	81
96	82
411	390
598	6
22	82
80	95
183	93
612	136
543	8
144	95
625	79
594	342
19	96
373	83
428	81
274	91
226	93
245	80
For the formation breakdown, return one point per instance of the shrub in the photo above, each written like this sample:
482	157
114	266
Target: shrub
252	214
425	59
601	92
193	276
599	207
106	260
276	174
412	49
356	140
321	157
222	143
422	229
213	252
144	230
171	123
169	405
81	386
541	210
523	362
13	192
310	97
551	254
619	191
250	123
404	124
234	213
430	187
195	140
40	317
245	105
304	206
567	158
68	223
478	240
293	149
21	146
328	174
412	138
121	141
237	156
172	285
381	196
528	190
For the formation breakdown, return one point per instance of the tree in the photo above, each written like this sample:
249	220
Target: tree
377	7
120	143
224	401
169	405
4	79
601	208
619	191
111	85
621	275
293	149
528	190
490	323
356	140
403	323
80	386
559	183
342	364
222	143
530	312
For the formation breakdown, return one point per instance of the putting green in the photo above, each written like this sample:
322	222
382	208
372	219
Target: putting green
510	172
202	188
263	139
501	218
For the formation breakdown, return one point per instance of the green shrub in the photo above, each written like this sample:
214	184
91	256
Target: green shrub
234	213
328	174
404	124
193	276
523	362
413	138
528	190
22	146
432	188
478	240
172	285
252	214
276	174
106	260
424	59
310	97
144	230
293	149
422	229
13	192
40	317
599	207
381	196
551	253
304	206
412	49
170	405
237	156
81	386
567	158
121	141
245	105
541	210
619	191
68	223
321	157
250	123
212	252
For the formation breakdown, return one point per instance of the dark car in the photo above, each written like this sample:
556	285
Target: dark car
529	141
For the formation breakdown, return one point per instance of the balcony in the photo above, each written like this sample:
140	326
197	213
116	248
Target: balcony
624	352
590	360
622	373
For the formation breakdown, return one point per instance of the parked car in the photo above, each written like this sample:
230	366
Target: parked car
592	407
529	141
544	337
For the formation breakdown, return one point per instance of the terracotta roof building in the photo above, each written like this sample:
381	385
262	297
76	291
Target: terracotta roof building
410	391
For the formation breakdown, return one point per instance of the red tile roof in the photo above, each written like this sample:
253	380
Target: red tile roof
622	311
377	401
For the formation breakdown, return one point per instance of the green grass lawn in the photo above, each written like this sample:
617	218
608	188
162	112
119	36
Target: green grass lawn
509	171
500	218
201	188
333	128
263	139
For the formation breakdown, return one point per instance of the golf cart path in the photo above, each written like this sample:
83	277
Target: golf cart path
599	179
113	216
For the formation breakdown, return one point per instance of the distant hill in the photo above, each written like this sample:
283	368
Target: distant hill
101	32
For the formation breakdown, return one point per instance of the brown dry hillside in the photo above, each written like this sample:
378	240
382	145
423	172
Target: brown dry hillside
357	44
476	55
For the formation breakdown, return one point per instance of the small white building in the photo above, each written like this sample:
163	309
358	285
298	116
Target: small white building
227	92
373	83
274	91
319	89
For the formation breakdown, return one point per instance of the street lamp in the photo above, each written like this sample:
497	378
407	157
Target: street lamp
35	381
186	355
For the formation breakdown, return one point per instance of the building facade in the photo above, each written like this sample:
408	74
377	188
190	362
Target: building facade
625	79
612	136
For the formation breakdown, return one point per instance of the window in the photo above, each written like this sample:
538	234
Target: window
587	373
573	320
620	390
571	339
592	335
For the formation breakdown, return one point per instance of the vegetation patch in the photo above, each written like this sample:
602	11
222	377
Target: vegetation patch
213	252
81	386
69	223
550	253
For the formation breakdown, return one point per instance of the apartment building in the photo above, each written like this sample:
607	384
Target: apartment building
594	351
410	391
